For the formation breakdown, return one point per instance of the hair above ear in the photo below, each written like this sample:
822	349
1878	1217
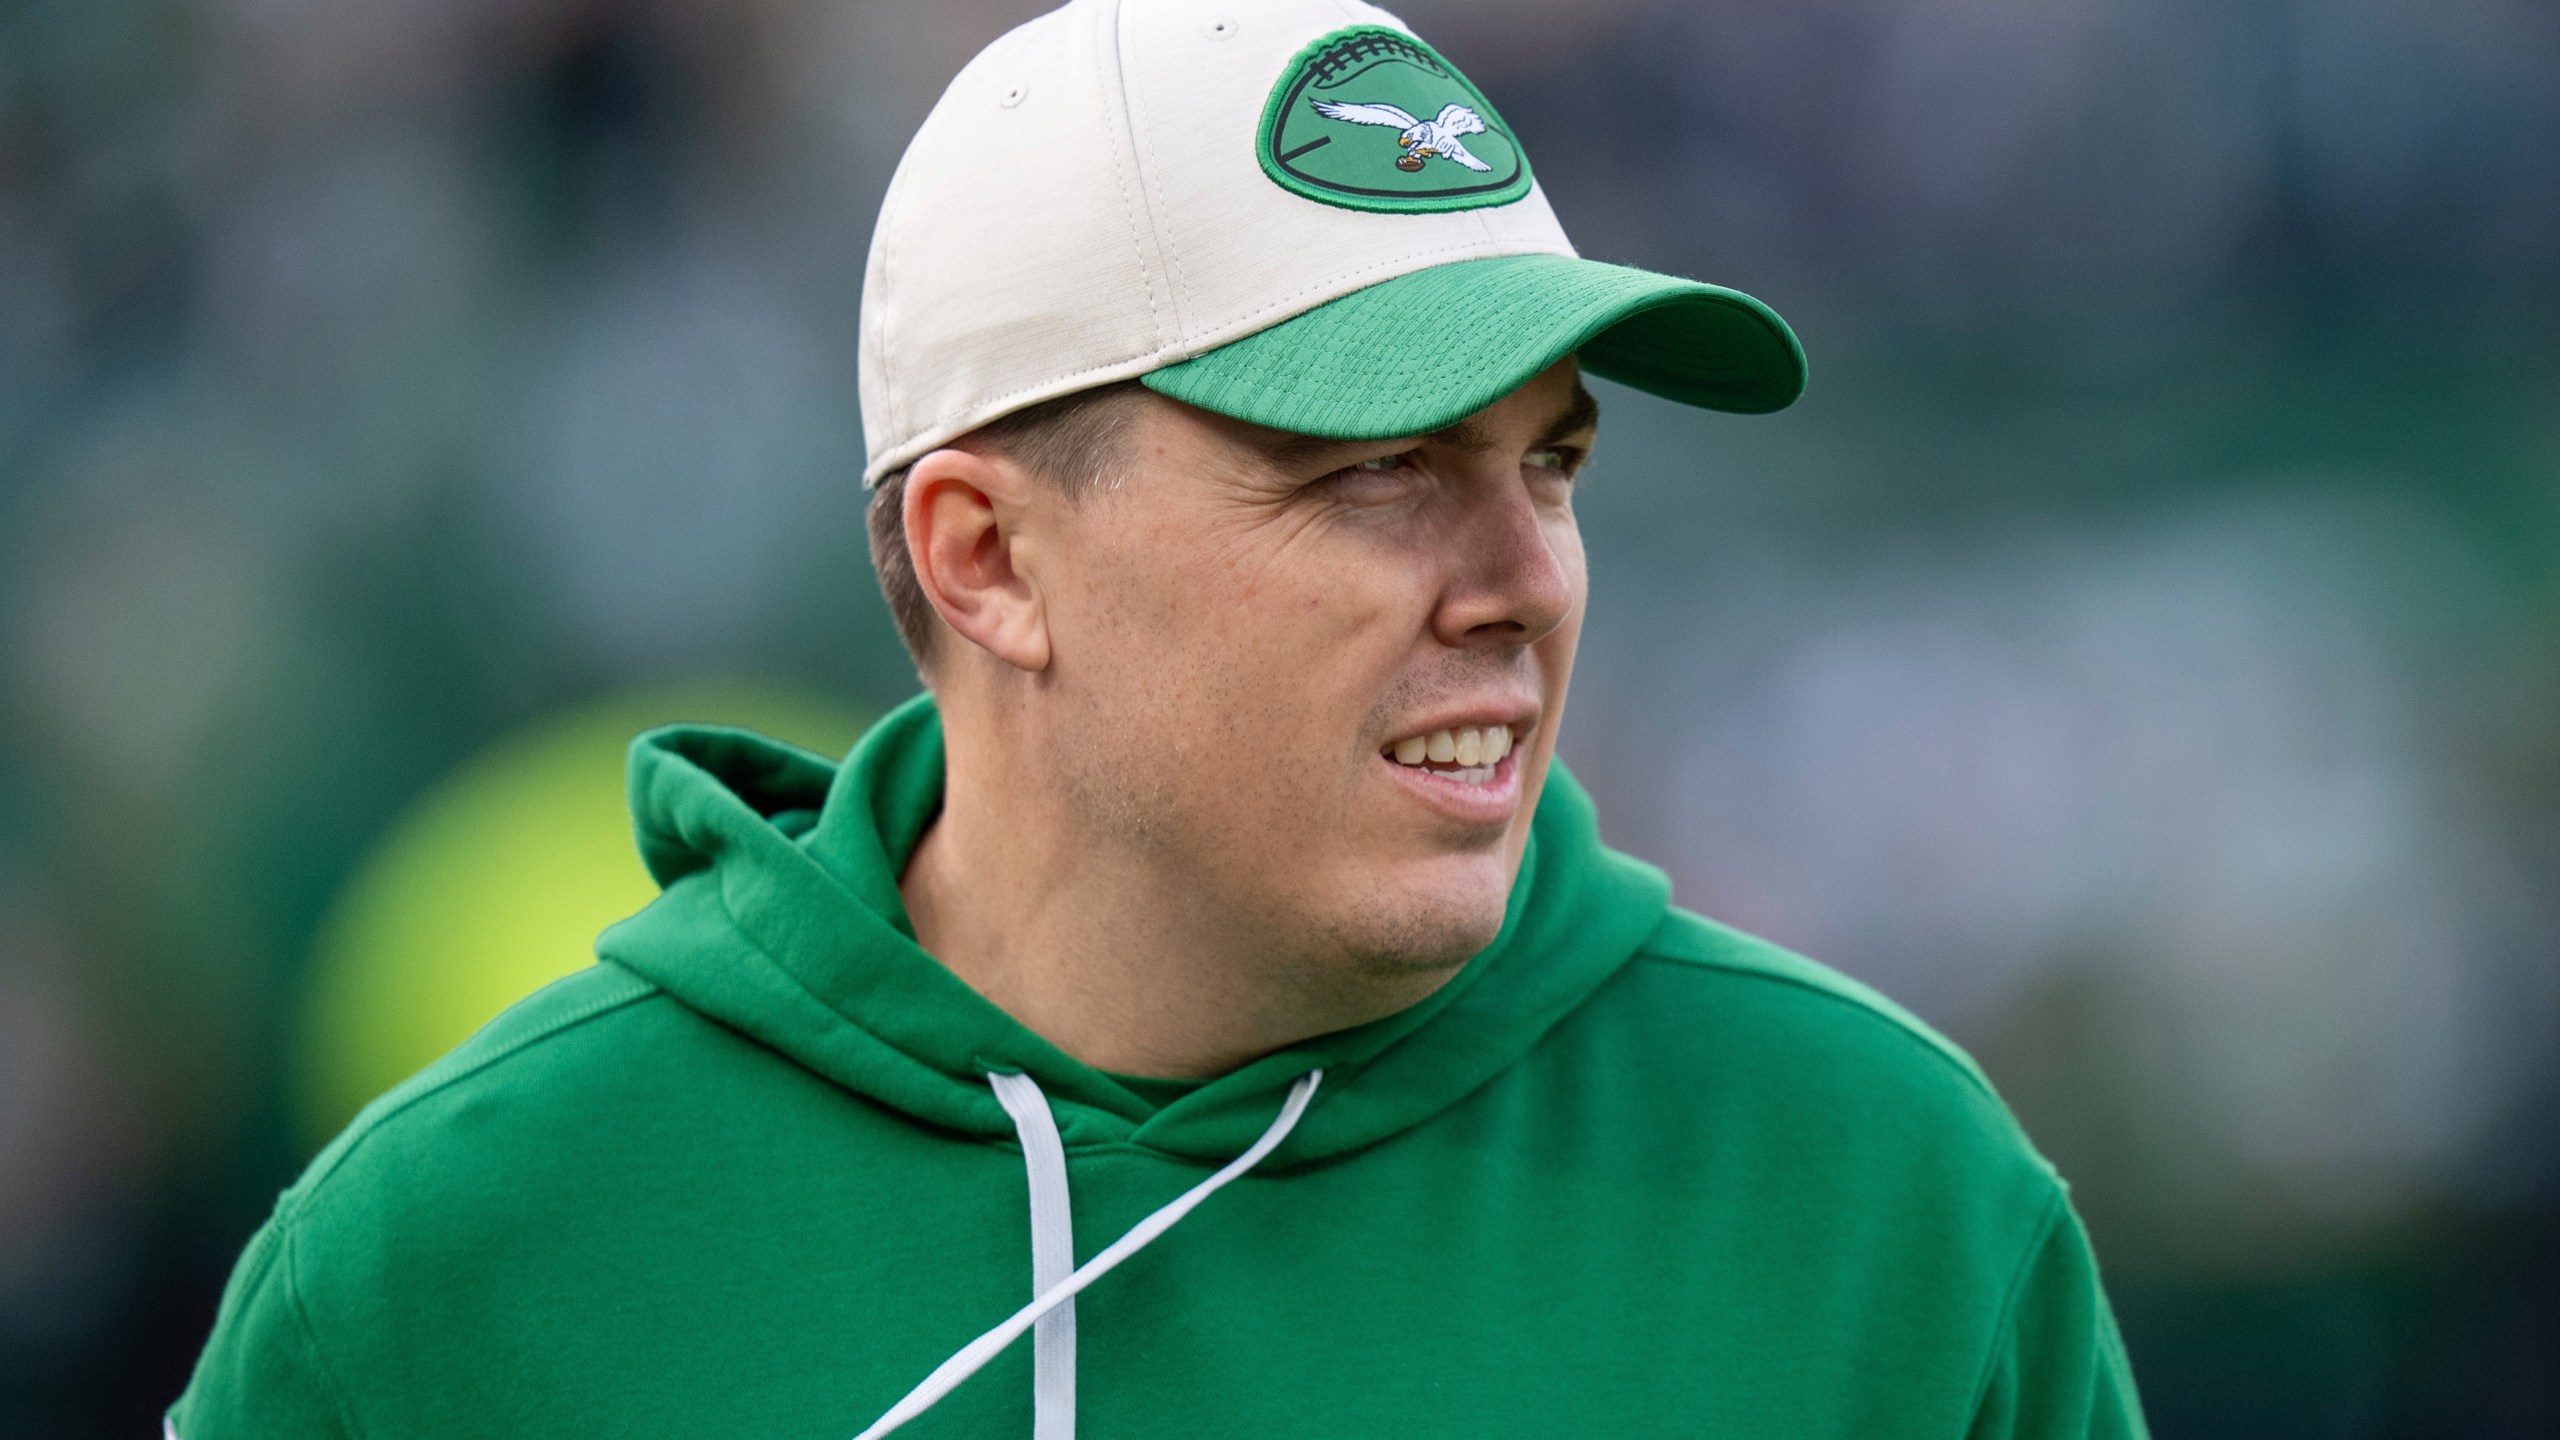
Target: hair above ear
886	519
1074	441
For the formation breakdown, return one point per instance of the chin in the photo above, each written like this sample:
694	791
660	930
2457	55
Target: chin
1419	929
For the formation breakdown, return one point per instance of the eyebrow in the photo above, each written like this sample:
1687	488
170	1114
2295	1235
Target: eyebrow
1580	412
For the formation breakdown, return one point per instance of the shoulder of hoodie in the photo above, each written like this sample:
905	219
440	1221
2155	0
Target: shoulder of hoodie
531	1071
1833	1034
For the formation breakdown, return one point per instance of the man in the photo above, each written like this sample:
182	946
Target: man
1223	911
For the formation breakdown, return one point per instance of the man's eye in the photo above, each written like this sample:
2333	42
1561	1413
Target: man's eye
1373	478
1562	459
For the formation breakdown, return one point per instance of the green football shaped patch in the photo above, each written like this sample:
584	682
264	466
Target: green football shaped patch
1373	119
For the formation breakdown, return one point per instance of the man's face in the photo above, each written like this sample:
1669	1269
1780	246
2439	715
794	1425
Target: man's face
1265	649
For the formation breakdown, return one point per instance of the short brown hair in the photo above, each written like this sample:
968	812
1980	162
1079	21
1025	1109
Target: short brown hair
1074	442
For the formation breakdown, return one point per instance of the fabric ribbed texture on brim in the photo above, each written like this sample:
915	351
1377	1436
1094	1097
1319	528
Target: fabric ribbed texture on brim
1422	351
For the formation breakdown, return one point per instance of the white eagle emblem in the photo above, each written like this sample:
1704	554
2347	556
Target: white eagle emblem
1421	139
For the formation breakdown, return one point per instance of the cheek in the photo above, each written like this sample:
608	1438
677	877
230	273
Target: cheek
1239	670
1329	625
1290	614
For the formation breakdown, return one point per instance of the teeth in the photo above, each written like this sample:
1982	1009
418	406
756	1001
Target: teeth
1474	750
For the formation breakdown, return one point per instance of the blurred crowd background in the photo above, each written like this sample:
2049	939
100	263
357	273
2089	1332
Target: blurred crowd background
2139	653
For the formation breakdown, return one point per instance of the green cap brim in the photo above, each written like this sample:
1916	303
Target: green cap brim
1423	351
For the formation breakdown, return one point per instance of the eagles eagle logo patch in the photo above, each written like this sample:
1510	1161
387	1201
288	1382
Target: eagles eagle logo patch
1371	118
1420	139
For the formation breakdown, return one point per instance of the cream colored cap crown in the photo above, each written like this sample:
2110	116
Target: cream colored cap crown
1085	204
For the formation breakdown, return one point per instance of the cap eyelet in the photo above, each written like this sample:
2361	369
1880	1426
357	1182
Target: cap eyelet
1221	29
1014	94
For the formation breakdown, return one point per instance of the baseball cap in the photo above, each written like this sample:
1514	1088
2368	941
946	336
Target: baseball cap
1292	212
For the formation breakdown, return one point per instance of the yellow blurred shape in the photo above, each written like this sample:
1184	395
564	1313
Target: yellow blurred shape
494	884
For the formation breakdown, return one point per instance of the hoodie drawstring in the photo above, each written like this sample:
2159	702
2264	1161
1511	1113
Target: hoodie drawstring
1052	1247
1053	1255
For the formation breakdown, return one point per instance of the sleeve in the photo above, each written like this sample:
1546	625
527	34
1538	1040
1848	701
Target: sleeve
262	1373
2058	1369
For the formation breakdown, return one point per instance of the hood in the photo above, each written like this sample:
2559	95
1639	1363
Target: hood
780	917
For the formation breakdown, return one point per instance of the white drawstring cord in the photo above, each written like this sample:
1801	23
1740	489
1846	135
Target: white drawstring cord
1053	1255
972	1357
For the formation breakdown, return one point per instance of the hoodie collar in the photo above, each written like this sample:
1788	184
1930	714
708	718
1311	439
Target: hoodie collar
794	932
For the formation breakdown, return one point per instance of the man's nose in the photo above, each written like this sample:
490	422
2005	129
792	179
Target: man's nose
1512	569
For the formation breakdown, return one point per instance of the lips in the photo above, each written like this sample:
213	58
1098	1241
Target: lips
1469	770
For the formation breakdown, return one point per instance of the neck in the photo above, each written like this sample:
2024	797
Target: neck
1101	943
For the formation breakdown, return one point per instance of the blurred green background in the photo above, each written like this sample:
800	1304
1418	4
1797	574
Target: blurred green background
2139	653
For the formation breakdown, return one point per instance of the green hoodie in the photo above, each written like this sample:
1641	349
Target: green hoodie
1630	1173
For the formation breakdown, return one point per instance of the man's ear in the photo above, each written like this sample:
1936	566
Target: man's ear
964	513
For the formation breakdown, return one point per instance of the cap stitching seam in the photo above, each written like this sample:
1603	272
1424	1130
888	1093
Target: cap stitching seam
889	392
1166	254
1122	160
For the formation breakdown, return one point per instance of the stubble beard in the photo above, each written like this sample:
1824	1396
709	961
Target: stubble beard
1380	937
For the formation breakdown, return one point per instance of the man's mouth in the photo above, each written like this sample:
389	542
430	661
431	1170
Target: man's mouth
1468	754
